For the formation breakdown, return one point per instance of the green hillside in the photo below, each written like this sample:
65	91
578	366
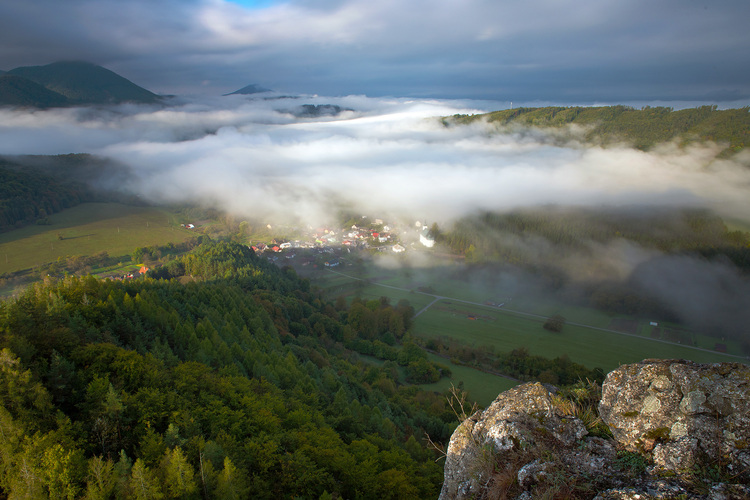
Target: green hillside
86	83
18	91
34	187
89	229
28	196
232	380
642	128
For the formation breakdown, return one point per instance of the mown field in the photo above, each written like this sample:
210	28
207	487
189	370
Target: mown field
464	316
505	331
89	229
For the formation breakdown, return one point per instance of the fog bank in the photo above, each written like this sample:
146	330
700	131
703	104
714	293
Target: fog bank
384	157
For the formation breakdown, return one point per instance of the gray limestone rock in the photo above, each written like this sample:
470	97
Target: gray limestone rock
679	428
679	413
519	418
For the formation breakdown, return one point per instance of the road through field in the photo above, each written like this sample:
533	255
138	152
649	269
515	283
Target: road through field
505	310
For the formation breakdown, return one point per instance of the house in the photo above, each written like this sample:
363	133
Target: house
426	238
285	245
398	248
143	270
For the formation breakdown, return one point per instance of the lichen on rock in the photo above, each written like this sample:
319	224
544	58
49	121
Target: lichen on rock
705	407
680	430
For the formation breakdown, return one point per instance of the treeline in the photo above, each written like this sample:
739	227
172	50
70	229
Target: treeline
229	378
643	128
29	196
518	363
34	187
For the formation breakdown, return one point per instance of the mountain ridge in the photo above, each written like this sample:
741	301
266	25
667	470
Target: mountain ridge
19	91
643	128
78	82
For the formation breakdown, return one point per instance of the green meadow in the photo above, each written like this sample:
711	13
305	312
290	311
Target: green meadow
462	315
482	387
89	229
483	326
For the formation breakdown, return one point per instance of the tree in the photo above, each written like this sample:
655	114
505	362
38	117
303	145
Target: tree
101	479
178	474
232	484
61	471
143	482
554	323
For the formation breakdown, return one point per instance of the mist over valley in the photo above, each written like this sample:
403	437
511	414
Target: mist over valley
291	249
592	223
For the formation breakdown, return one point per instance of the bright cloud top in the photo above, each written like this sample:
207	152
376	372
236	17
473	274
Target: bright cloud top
381	156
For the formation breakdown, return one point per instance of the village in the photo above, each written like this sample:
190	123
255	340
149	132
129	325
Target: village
325	246
312	248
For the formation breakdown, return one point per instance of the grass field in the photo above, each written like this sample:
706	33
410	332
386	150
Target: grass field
88	229
482	387
506	331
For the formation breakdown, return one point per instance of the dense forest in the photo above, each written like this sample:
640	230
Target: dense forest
30	196
35	187
643	128
231	379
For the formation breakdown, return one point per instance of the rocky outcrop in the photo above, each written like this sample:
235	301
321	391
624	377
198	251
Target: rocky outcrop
681	414
676	429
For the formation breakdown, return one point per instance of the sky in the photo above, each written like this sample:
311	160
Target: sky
569	52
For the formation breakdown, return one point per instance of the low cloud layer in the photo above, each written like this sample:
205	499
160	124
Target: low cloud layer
389	157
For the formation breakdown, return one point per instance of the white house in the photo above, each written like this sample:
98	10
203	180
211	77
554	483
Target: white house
426	238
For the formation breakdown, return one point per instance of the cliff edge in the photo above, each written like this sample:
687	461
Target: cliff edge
664	429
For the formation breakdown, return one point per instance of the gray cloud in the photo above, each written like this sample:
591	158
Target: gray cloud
582	51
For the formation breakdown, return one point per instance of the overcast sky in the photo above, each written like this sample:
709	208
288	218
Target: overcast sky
506	50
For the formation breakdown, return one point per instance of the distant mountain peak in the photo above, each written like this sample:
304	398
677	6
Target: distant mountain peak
253	88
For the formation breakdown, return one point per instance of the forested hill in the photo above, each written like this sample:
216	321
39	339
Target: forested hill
230	380
643	128
80	83
31	195
35	187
